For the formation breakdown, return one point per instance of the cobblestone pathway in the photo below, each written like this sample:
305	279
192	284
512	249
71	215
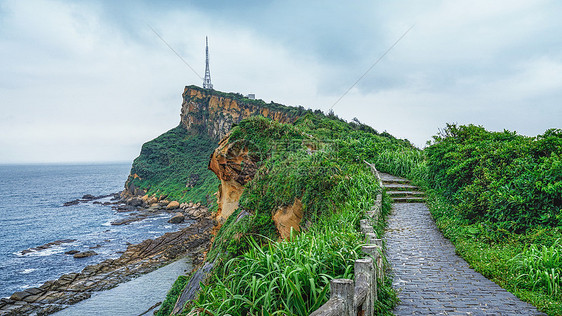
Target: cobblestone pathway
430	277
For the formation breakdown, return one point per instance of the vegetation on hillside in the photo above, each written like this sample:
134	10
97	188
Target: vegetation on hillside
319	161
175	165
509	181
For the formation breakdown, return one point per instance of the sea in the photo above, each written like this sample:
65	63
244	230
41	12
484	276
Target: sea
32	214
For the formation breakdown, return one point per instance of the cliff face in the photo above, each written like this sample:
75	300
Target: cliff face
175	163
234	167
214	113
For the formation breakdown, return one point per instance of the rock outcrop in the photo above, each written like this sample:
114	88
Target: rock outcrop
288	218
137	259
214	113
235	167
210	115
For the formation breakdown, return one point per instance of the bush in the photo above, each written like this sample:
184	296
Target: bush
507	179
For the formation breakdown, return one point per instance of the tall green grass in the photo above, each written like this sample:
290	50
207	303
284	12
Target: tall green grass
289	278
408	163
540	267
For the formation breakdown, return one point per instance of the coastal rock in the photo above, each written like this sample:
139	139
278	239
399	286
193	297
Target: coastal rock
70	203
71	252
177	218
234	166
88	197
19	296
196	212
47	245
137	259
85	254
173	205
135	201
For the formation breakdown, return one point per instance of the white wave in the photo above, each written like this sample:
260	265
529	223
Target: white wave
27	271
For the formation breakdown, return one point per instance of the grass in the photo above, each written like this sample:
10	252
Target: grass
256	273
290	277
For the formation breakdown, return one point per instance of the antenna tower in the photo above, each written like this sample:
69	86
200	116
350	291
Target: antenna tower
207	81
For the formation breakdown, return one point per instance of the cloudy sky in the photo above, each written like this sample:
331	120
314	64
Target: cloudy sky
86	81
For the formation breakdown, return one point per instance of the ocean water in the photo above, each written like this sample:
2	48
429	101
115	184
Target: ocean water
32	214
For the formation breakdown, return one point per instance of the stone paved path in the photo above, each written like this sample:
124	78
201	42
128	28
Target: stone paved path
431	278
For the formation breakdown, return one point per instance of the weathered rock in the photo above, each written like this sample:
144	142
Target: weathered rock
85	254
71	252
173	205
152	200
74	202
135	201
287	218
234	166
19	296
196	213
88	197
177	218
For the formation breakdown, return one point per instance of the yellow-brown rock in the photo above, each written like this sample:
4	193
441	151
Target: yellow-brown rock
212	113
234	167
173	205
288	218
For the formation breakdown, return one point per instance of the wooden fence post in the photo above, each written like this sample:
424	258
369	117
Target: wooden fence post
365	226
375	251
364	269
343	290
372	250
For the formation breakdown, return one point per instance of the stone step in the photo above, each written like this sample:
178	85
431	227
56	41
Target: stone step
395	181
408	200
387	178
400	187
394	194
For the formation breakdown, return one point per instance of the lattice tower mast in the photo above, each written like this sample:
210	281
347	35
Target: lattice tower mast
207	81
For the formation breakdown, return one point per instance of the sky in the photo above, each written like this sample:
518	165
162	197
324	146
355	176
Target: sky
89	81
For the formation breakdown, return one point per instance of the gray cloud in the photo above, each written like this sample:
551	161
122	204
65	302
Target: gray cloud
89	81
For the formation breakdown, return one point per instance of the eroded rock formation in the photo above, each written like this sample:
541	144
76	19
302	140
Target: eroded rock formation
213	113
234	166
287	218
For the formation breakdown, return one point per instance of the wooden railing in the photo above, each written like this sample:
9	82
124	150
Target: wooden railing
349	297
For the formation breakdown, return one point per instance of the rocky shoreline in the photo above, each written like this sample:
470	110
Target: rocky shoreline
138	259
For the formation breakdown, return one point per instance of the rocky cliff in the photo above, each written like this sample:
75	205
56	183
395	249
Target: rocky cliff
234	167
213	113
175	163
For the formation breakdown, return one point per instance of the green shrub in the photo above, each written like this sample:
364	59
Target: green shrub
510	180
